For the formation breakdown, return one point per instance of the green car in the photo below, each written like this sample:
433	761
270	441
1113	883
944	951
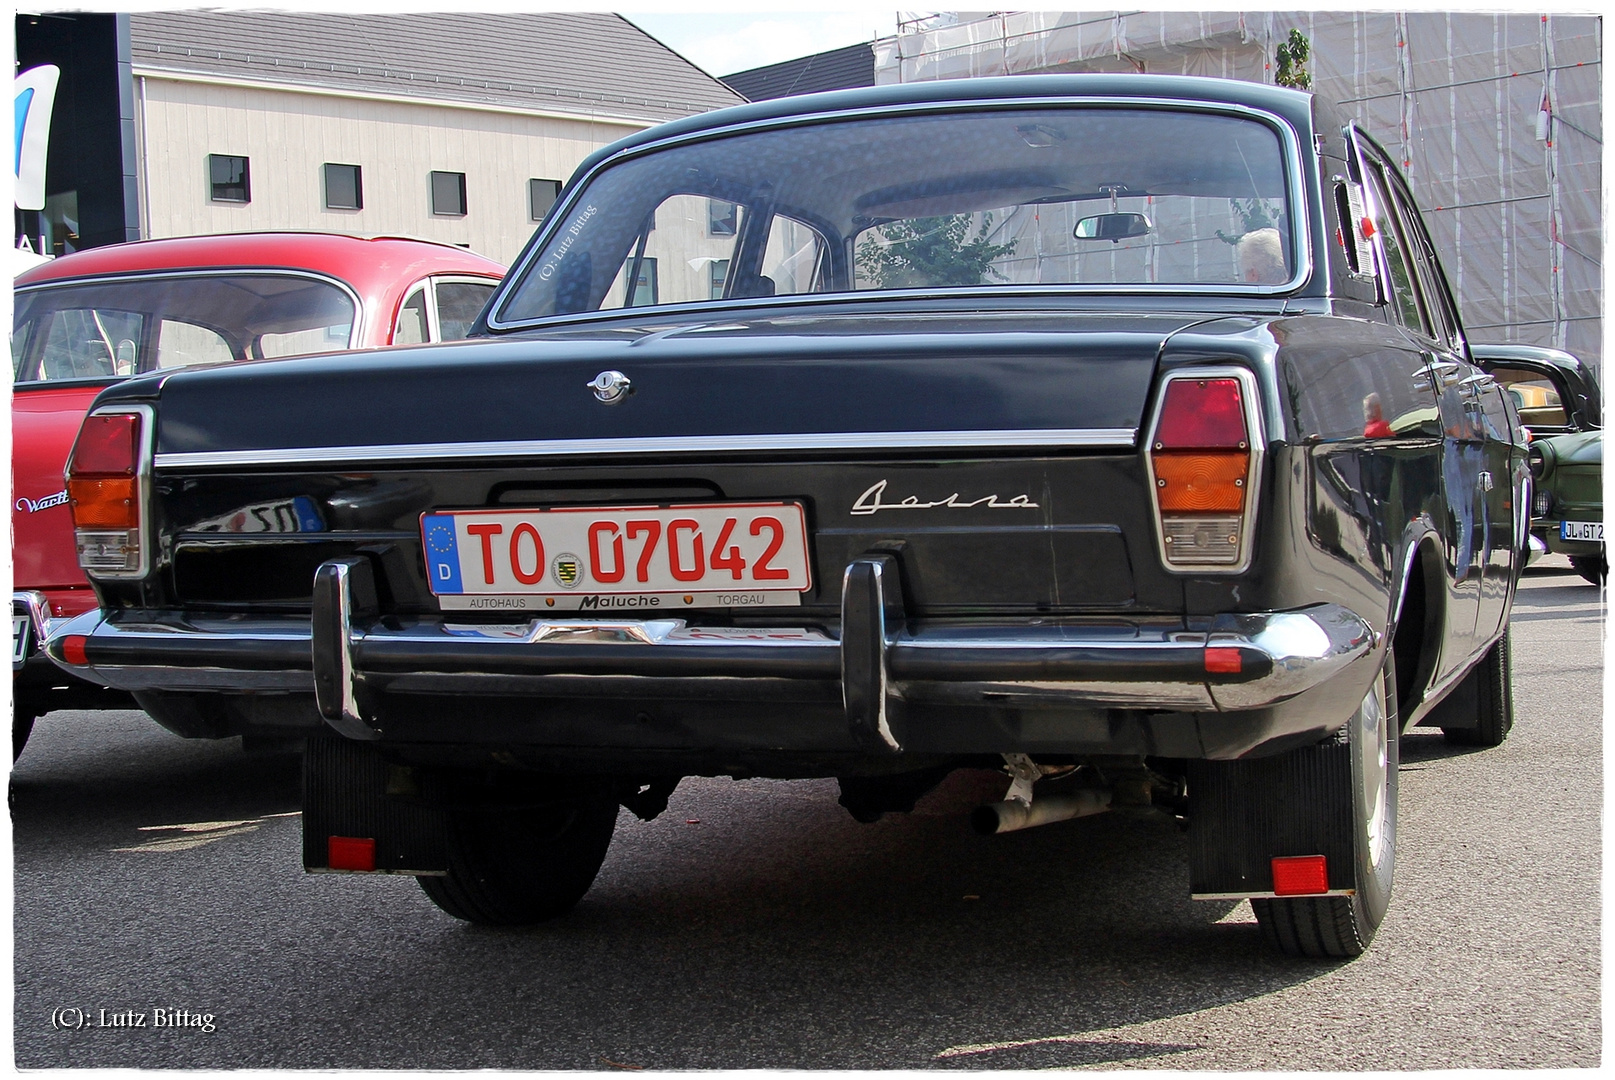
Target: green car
1557	398
1567	510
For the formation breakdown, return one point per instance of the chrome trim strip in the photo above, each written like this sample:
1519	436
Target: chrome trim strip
38	606
1307	649
1053	438
1289	140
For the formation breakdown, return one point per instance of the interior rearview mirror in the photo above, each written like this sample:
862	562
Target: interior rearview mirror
1112	227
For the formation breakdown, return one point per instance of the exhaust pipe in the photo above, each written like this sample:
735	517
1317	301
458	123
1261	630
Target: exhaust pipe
1013	814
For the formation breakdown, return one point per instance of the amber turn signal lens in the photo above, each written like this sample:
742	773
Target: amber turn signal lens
104	503
1206	482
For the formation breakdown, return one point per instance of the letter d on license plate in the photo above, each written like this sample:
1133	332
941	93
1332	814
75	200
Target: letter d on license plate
618	557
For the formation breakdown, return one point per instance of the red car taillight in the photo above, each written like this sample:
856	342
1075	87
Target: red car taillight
104	492
1201	455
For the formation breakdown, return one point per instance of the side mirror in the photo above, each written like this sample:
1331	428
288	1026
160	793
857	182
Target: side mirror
1112	227
124	362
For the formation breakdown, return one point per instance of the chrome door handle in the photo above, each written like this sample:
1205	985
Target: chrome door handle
1485	481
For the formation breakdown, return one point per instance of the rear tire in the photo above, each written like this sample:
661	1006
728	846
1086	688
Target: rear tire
1494	690
516	866
1595	568
1342	926
22	726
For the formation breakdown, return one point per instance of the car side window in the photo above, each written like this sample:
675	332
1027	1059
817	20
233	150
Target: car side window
181	344
795	259
410	329
1439	309
1536	397
458	305
670	260
84	343
1399	283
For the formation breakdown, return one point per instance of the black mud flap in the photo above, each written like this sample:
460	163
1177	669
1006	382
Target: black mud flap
364	814
1244	813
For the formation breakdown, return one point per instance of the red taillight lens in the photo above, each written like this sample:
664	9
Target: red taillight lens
103	491
107	445
1201	414
1200	460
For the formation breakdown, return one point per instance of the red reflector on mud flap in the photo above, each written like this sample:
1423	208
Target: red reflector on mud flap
350	853
73	650
1224	660
1300	875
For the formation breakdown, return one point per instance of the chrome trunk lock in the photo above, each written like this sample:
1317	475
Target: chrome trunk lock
611	386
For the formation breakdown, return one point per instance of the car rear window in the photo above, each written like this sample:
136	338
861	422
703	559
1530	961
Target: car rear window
1013	198
117	327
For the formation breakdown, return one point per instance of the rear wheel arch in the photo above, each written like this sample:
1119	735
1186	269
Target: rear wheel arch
1416	624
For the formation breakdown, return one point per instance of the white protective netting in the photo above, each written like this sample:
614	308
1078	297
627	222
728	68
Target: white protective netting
1496	118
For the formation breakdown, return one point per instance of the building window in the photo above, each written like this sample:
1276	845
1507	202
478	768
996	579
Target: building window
228	178
718	273
344	189
721	217
645	290
541	195
448	194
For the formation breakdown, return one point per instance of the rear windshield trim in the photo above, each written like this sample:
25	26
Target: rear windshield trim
1289	141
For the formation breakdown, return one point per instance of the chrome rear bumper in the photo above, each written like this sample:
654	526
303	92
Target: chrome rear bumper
346	654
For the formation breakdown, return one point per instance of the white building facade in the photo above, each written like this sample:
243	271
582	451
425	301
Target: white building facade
1497	120
456	128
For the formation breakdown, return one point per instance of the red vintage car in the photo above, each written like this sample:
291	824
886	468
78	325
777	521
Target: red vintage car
89	319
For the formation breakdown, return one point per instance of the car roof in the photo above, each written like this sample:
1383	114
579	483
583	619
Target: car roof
1540	353
364	263
1293	105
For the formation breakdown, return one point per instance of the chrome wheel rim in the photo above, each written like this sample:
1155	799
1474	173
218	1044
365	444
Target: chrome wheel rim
1373	759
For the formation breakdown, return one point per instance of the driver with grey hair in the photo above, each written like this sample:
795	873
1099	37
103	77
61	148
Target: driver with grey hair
1261	258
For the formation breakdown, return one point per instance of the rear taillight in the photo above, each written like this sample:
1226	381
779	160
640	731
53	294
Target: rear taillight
1202	456
104	490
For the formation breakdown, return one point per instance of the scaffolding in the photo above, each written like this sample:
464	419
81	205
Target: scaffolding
1496	118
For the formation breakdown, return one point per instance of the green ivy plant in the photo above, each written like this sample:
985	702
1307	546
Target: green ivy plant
930	251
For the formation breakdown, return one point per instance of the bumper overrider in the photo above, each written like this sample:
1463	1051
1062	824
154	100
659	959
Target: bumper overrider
890	675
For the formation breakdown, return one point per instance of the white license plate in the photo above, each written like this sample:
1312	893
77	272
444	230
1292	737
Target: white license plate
619	558
19	638
1582	530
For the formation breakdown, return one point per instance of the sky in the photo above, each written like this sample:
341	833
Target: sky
722	43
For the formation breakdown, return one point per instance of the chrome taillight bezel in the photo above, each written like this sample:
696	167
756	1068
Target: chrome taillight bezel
1257	449
143	471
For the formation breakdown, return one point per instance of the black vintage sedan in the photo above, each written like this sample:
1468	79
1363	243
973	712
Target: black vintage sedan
1117	431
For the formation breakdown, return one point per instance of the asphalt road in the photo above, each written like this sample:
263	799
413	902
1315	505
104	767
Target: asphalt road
756	925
